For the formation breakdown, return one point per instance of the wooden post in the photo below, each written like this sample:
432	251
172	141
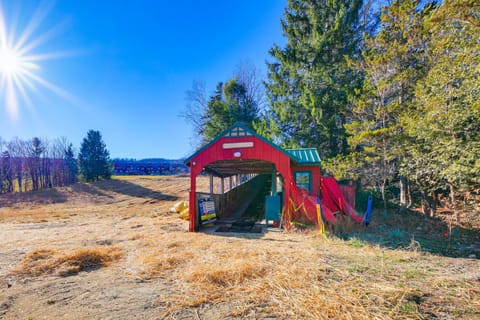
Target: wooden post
286	190
231	183
211	184
192	202
222	186
273	180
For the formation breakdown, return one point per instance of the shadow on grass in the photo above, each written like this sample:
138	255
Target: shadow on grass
241	235
410	230
100	189
88	188
45	196
133	190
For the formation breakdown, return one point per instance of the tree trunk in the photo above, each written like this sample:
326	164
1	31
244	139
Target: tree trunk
10	184
409	196
384	198
452	194
403	192
20	180
453	199
433	203
428	204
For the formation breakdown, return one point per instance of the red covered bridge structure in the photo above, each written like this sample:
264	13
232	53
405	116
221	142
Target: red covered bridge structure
286	182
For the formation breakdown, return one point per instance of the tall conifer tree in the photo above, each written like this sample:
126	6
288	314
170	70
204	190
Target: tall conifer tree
392	61
94	158
444	128
309	81
228	105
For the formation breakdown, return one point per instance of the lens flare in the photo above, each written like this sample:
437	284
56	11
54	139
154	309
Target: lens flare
19	63
10	62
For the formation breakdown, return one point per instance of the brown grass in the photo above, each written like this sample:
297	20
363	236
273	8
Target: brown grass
305	277
53	262
121	196
156	265
232	274
276	275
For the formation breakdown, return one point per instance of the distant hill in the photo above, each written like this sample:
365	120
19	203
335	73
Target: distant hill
150	167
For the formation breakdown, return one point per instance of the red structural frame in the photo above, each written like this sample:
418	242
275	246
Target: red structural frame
262	150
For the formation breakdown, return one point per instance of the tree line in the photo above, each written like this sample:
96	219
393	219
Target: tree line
387	91
35	164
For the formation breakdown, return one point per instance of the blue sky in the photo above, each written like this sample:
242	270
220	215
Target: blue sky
123	67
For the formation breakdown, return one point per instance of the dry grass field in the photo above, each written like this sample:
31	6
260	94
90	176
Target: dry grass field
112	250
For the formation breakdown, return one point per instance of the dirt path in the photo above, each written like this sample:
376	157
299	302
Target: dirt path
105	293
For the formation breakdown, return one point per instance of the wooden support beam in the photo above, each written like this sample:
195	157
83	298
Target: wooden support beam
192	203
211	184
273	180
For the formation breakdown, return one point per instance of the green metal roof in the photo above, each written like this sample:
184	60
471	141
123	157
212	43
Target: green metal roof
305	156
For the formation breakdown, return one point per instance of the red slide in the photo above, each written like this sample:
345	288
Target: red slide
304	206
334	200
327	214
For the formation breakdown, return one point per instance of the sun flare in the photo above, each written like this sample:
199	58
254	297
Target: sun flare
19	64
10	62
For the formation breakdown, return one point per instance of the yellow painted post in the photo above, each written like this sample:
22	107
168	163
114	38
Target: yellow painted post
321	226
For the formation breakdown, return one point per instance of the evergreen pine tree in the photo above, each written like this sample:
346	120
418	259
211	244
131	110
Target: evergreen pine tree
71	164
94	158
230	104
444	128
310	81
392	61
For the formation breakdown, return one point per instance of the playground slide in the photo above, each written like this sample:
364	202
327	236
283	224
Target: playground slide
327	214
334	200
303	205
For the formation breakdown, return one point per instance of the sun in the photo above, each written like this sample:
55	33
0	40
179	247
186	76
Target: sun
20	63
10	62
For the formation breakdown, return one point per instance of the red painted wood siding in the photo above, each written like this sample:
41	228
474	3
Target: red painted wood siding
315	170
260	151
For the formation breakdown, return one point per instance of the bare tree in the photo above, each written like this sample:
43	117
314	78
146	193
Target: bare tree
17	157
36	164
2	147
62	162
7	171
249	76
200	108
196	107
46	164
57	167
